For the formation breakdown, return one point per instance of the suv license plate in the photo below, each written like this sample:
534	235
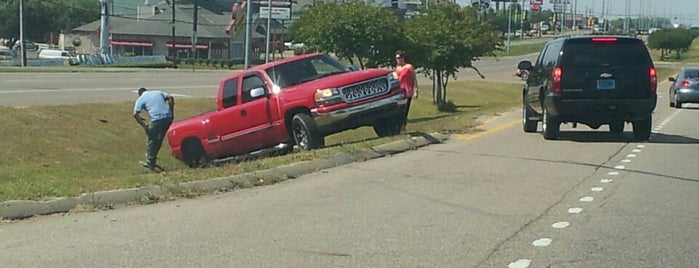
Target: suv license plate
606	84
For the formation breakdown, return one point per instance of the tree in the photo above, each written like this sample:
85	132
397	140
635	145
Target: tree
667	40
352	30
44	17
445	39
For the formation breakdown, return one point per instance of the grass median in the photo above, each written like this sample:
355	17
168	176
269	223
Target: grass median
66	150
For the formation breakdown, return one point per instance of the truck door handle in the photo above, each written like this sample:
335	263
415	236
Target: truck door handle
243	112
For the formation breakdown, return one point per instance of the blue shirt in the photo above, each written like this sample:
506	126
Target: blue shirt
154	102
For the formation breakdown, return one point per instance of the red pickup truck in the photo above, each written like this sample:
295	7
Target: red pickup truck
293	101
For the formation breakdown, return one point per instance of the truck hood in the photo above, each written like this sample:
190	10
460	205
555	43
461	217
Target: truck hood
344	79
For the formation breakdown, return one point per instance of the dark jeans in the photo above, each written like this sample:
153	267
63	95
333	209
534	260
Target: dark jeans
154	139
407	109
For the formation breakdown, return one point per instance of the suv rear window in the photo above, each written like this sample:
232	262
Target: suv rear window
623	52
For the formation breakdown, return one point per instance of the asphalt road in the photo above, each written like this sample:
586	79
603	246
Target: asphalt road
25	89
499	198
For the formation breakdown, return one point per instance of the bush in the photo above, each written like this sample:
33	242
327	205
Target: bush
230	64
189	61
214	63
223	64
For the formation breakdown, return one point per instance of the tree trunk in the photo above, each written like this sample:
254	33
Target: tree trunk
439	87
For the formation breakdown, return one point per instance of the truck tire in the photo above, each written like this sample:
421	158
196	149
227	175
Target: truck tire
193	153
389	126
305	132
527	124
550	126
616	127
641	128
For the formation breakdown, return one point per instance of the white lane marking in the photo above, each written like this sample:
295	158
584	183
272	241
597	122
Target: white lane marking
636	150
631	155
560	224
542	242
626	161
575	210
606	180
587	199
613	173
620	167
521	263
597	189
101	89
640	146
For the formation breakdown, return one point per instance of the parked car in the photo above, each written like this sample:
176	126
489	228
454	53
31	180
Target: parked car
297	100
28	44
685	87
6	54
53	54
592	80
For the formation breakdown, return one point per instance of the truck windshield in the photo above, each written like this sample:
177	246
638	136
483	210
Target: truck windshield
304	70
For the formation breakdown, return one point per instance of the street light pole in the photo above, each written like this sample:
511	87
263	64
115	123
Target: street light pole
174	47
22	50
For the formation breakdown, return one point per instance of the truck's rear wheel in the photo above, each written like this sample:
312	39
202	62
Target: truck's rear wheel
550	126
616	127
641	128
305	132
527	124
193	153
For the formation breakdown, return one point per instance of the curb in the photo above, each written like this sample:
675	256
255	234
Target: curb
21	209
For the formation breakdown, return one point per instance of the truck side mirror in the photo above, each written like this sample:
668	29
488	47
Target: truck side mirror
257	92
671	79
524	65
353	68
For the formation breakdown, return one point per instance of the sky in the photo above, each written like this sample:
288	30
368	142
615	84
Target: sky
686	11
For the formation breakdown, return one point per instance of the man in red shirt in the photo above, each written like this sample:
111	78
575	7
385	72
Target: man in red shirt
405	72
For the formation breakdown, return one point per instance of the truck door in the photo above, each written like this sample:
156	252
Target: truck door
225	124
254	114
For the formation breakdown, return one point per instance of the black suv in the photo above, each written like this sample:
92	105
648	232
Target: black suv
592	80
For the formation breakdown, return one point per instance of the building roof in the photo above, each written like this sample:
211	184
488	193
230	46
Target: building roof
209	25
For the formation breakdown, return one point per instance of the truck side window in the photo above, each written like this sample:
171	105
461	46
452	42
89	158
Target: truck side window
249	83
230	93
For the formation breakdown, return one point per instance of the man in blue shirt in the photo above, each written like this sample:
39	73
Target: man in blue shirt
160	107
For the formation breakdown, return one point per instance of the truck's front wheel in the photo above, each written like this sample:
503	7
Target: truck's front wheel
389	126
306	133
193	153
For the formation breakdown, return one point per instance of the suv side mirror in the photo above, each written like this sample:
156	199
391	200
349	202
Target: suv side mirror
671	79
524	65
257	92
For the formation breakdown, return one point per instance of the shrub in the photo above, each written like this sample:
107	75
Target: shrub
230	64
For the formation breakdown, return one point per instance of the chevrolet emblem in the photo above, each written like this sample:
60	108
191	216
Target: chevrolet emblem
605	75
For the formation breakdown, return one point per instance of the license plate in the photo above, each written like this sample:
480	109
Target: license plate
606	84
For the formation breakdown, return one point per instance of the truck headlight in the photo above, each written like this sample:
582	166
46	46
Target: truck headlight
393	81
327	96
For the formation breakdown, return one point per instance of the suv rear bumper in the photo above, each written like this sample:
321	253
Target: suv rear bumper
599	111
360	115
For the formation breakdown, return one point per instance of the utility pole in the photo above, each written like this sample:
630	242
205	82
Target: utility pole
509	28
248	33
22	49
194	33
521	20
269	26
174	47
104	31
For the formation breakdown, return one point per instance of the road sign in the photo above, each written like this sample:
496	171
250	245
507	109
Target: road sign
537	2
279	13
535	7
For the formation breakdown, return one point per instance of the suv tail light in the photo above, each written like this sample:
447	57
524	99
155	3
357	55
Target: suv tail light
685	84
653	80
556	80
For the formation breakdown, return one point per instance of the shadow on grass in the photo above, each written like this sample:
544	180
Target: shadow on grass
423	119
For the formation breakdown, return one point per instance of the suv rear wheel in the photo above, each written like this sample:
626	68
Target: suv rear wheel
527	124
550	126
641	128
616	127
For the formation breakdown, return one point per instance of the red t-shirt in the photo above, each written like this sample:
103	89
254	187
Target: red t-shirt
406	76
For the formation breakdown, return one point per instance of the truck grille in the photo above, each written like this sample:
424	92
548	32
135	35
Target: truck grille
365	90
